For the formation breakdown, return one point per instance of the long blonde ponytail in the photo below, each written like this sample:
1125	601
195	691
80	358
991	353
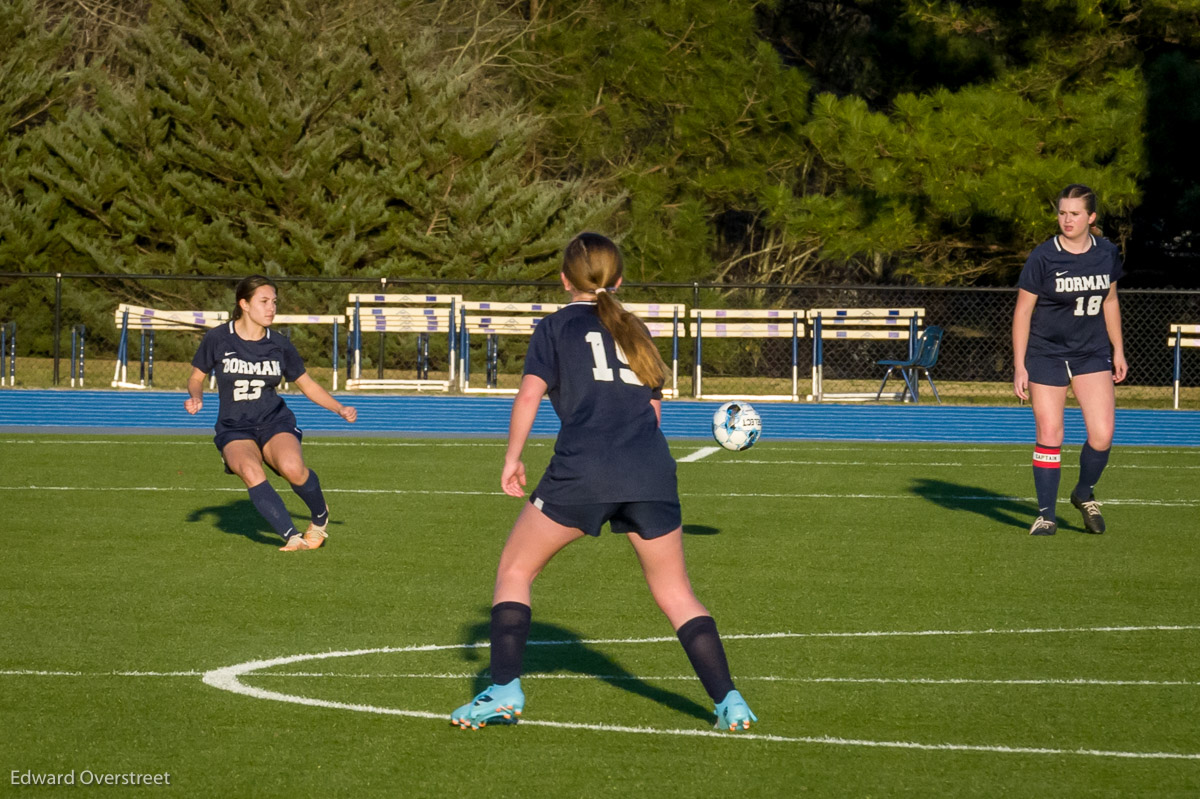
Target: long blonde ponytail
592	262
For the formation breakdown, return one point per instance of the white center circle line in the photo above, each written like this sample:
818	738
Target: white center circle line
228	678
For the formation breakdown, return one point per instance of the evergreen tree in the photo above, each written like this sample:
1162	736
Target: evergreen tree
303	138
36	85
692	113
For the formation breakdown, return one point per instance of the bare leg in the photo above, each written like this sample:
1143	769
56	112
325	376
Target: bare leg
666	573
534	540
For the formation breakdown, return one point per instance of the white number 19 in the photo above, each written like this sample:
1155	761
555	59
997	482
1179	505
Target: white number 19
600	368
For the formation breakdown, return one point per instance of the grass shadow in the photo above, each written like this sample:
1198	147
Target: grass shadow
955	496
556	649
238	518
700	529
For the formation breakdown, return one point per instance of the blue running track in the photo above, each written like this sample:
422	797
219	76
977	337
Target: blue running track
441	415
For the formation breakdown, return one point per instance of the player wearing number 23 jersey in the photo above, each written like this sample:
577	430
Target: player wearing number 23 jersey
248	374
254	427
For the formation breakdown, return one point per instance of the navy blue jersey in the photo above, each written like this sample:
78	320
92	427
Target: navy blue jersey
248	373
1068	320
610	448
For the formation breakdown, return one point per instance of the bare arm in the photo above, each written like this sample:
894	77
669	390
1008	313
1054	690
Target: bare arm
195	386
313	390
1112	320
524	411
1022	317
657	405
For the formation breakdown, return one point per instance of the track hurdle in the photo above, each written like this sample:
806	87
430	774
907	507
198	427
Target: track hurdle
737	323
901	324
8	348
315	319
421	314
77	335
151	320
663	320
495	319
1177	341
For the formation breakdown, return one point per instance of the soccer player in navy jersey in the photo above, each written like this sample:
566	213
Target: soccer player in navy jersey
604	376
254	425
1067	331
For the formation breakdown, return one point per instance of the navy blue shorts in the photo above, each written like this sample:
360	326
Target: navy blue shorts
259	435
1047	371
646	519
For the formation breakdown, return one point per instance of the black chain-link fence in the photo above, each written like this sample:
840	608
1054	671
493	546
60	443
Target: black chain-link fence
41	314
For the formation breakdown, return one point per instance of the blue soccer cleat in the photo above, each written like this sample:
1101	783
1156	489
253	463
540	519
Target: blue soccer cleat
733	712
495	703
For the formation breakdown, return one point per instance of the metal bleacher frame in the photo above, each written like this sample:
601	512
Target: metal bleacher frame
901	324
740	323
151	320
663	319
420	314
1177	342
495	319
315	319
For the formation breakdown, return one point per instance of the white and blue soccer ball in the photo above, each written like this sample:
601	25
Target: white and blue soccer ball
736	425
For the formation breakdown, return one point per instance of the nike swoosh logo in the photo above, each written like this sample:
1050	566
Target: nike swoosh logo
1056	274
232	353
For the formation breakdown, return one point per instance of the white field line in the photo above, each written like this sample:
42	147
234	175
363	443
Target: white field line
420	675
229	679
699	454
154	441
1184	503
897	446
920	464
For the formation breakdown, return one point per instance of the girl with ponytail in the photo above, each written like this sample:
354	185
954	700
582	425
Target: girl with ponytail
611	465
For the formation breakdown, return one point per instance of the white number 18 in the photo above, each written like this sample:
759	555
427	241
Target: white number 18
1093	305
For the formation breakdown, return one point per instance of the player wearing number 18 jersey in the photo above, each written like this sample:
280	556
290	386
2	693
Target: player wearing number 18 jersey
254	425
611	464
1067	332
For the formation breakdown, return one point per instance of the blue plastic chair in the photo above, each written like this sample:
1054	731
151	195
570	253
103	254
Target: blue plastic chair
925	359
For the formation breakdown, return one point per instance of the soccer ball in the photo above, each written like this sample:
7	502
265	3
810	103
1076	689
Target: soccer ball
736	426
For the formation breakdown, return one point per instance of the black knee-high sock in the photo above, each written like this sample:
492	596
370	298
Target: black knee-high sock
268	503
703	647
310	492
1047	471
509	631
1091	466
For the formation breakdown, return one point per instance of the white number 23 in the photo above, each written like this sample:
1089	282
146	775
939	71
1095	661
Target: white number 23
247	389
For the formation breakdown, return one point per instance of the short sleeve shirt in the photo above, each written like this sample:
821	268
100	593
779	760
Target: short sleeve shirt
1068	319
609	447
248	374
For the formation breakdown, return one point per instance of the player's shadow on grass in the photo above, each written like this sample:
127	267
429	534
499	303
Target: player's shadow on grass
955	496
700	529
556	649
238	518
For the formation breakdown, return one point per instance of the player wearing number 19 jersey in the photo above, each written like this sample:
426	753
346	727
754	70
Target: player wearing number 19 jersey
596	459
611	465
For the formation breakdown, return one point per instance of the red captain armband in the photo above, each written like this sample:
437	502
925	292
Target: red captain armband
1047	457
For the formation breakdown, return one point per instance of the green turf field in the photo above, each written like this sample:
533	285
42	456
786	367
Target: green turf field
886	615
